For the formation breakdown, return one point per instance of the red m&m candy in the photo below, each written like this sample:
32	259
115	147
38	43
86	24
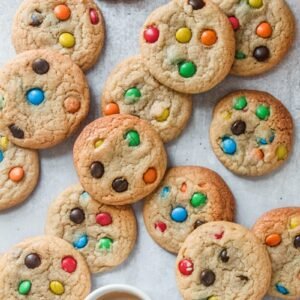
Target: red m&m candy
186	267
94	16
151	34
161	226
234	22
104	219
69	264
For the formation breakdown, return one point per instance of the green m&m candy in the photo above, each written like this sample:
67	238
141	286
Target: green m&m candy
187	69
132	95
262	112
24	287
198	199
240	55
133	138
240	103
105	243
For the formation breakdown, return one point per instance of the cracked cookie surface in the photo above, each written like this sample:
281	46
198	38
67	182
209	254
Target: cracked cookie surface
105	235
251	132
19	173
44	97
279	230
223	260
74	28
188	45
187	198
264	31
43	267
131	89
119	159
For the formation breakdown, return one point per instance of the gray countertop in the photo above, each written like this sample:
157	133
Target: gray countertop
149	267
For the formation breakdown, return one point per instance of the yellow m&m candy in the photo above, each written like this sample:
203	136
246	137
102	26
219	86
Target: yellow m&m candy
255	3
67	40
56	287
281	152
164	116
183	35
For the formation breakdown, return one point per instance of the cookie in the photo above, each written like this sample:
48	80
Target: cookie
187	198
104	235
264	32
73	28
131	89
279	230
223	260
119	159
251	132
44	97
43	267
188	45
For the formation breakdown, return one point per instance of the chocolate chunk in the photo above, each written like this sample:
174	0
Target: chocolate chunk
224	256
207	277
238	127
297	241
36	19
32	261
97	169
197	4
16	131
77	215
261	53
40	66
198	223
120	185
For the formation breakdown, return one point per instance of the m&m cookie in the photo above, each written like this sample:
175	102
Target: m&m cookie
19	173
187	198
44	267
131	89
264	31
251	132
119	159
279	230
74	28
188	45
44	96
104	235
223	260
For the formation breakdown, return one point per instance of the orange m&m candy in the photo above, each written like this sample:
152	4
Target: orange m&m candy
62	12
150	175
273	239
264	30
111	109
208	37
16	174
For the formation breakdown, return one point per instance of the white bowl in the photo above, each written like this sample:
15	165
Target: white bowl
117	288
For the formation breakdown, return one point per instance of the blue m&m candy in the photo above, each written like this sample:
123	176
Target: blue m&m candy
1	156
35	96
81	242
179	214
228	145
165	192
281	289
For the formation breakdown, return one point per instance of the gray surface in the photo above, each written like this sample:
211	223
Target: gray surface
150	268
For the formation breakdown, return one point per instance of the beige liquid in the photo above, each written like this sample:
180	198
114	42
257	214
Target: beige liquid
119	296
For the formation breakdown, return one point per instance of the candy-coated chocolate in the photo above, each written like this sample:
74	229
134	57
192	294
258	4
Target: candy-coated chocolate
99	143
294	222
240	54
161	226
255	3
16	174
196	4
164	115
224	256
238	127
179	214
111	109
281	152
32	261
1	156
56	287
207	277
35	96
133	138
257	154
40	66
151	34
183	35
67	40
183	187
94	17
77	215
281	289
165	192
132	95
36	19
228	145
62	12
120	185
234	22
198	223
69	264
208	37
187	69
105	243
16	131
264	30
24	287
240	103
186	267
97	169
198	199
273	239
104	219
4	143
213	298
150	176
219	235
297	241
81	241
261	53
227	115
72	105
263	112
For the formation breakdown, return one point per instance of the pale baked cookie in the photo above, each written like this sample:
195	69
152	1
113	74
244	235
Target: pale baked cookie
105	235
223	261
74	28
131	89
279	230
251	132
264	31
44	97
44	267
19	173
187	198
188	45
119	159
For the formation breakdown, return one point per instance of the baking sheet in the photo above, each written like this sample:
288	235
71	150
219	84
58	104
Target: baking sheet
150	268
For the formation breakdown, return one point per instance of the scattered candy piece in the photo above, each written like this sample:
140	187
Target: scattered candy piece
69	264
263	112
94	17
186	267
132	95
35	96
183	35
240	103
228	145
234	22
56	287
40	66
77	215
81	242
111	109
151	34
273	240
264	30
240	54
198	199
4	143
104	219
62	12
120	185
161	226
150	176
98	143
179	214
32	261
183	187
16	174
208	37
24	287
261	53
133	138
238	127
281	152
207	277
294	222
255	3
187	69
105	243
165	192
67	40
72	105
281	289
164	116
97	169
